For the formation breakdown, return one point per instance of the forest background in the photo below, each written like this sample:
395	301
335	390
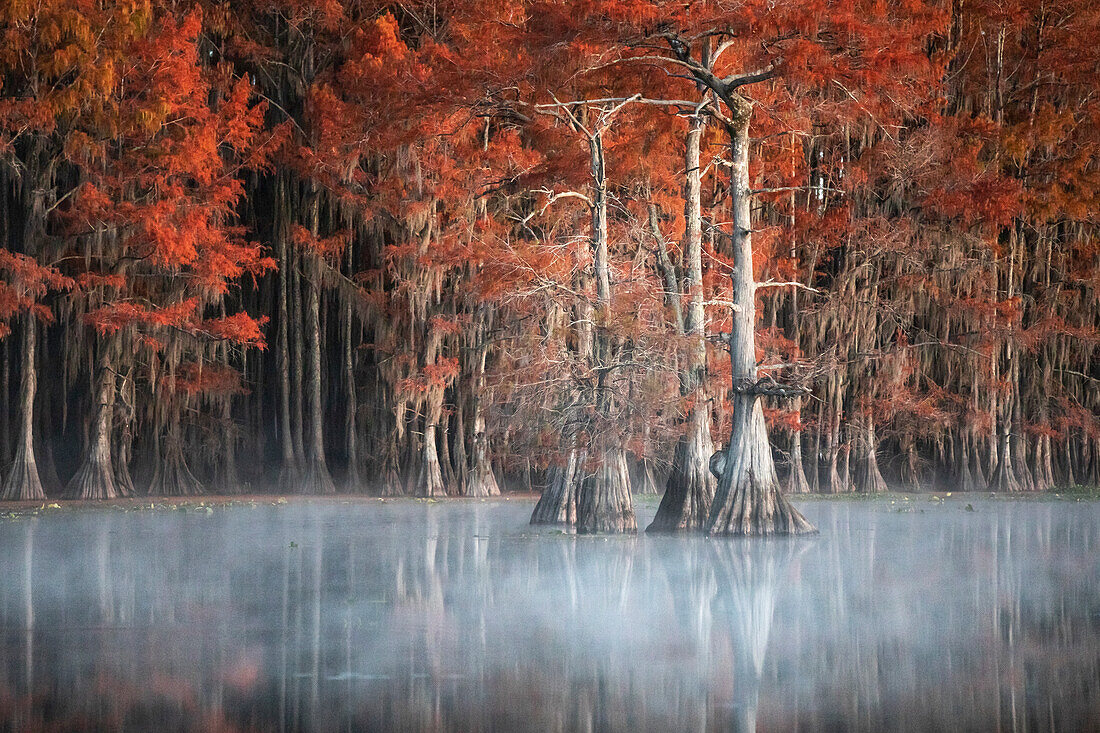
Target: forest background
436	248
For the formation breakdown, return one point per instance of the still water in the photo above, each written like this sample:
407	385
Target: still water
353	616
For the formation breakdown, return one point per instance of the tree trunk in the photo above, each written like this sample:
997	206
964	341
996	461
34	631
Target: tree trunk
172	476
353	482
5	403
604	501
748	499
869	480
429	482
1004	475
690	486
290	471
316	478
796	473
603	497
228	479
963	475
22	482
298	313
95	479
124	433
481	480
558	502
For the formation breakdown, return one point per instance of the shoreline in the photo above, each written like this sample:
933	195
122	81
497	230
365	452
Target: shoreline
222	501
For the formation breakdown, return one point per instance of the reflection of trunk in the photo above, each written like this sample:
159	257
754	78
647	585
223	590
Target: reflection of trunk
28	607
748	500
748	582
690	487
315	638
95	479
22	482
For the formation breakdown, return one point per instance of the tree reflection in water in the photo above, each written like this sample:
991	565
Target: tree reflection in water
409	616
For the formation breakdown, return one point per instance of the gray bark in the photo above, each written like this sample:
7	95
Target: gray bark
748	499
22	482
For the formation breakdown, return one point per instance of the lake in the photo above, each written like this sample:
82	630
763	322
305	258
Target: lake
346	615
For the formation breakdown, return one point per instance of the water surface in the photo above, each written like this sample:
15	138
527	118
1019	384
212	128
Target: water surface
330	616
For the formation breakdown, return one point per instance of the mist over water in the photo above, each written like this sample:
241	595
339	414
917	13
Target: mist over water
406	615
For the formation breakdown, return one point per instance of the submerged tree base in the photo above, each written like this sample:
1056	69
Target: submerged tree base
749	502
604	501
690	488
558	502
594	500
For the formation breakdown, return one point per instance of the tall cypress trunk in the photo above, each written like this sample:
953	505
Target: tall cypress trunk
558	502
228	477
748	499
95	479
5	402
481	480
123	428
797	483
429	480
690	486
317	478
353	482
171	474
22	482
298	315
869	479
604	503
291	464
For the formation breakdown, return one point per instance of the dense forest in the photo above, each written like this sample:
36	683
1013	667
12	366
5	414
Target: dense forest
443	248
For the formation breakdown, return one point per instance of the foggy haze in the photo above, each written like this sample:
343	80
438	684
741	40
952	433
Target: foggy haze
331	615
